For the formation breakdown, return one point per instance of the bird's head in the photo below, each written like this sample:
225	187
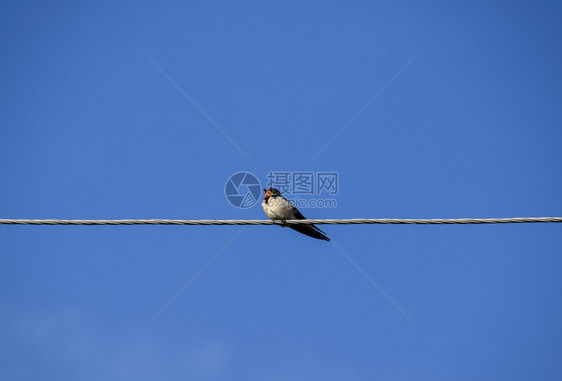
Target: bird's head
269	192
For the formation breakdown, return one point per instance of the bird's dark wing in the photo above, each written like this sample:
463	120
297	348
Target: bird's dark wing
297	214
311	231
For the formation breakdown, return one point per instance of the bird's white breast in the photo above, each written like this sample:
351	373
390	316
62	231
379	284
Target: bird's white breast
278	208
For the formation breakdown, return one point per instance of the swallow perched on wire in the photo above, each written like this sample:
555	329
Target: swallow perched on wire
278	207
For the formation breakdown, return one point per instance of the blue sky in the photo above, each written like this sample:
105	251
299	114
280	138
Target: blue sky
91	128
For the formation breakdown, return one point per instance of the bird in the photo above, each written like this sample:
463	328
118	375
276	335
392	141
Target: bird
278	207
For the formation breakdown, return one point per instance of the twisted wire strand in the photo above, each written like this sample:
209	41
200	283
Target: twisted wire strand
351	221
